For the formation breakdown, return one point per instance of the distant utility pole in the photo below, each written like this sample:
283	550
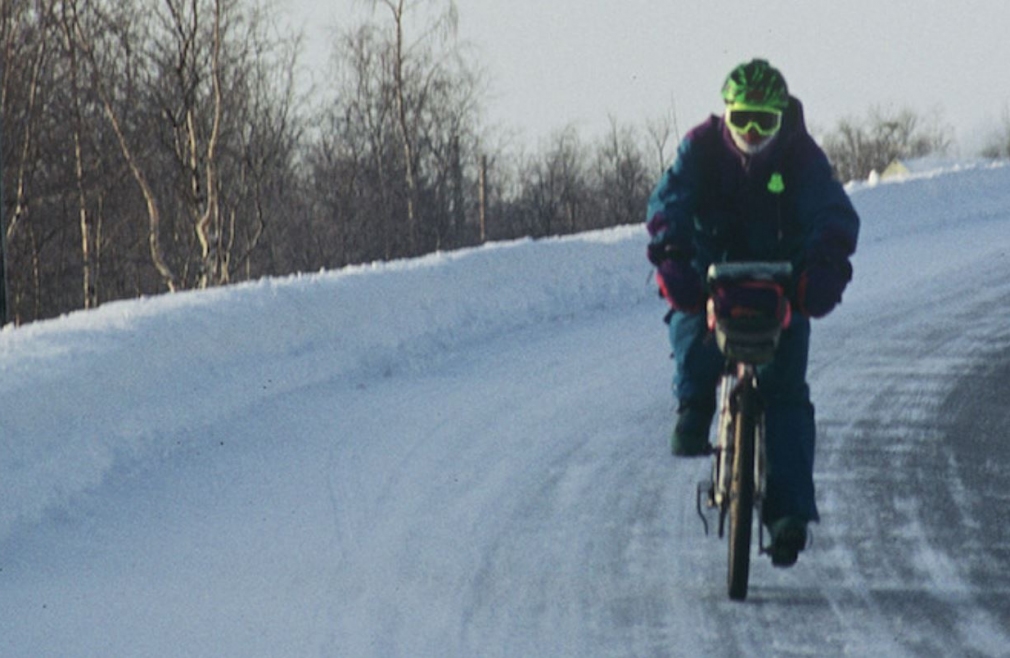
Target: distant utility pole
482	198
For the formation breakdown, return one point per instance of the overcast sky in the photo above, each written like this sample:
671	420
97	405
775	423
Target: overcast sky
557	62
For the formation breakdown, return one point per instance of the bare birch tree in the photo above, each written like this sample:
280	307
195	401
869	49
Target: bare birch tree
120	25
404	55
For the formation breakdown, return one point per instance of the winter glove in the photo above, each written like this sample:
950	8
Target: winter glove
820	286
661	246
678	281
681	285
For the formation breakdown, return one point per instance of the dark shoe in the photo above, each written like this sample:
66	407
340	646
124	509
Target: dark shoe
690	436
789	537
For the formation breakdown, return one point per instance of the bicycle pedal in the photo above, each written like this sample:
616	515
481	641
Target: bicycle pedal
706	489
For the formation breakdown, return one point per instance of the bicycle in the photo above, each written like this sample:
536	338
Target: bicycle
747	311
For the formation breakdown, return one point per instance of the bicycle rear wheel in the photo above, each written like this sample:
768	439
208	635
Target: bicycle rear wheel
741	502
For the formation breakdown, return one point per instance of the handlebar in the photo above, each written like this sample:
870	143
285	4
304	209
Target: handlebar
779	272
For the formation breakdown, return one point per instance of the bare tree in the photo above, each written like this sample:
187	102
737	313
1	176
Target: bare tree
404	56
622	177
104	91
554	186
998	145
218	125
406	110
662	132
182	116
60	175
182	113
26	50
26	57
856	149
352	163
448	153
67	21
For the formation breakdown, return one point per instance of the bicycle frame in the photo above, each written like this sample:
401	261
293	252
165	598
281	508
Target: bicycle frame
747	334
717	491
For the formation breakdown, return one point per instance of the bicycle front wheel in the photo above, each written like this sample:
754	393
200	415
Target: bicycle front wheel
741	502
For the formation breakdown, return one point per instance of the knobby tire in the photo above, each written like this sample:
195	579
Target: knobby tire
741	505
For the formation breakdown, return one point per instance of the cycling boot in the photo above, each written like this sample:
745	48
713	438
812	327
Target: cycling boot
690	435
789	537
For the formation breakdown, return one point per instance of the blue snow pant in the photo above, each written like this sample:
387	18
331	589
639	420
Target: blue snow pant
789	414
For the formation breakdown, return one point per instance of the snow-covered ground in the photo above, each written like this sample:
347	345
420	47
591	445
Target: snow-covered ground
466	455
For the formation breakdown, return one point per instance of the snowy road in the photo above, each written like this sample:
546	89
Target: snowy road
486	492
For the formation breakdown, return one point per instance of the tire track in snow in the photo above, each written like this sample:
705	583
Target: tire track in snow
893	498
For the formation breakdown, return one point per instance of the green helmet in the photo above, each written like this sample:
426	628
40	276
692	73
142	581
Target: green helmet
756	85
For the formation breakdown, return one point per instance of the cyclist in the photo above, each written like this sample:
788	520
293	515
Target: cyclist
752	184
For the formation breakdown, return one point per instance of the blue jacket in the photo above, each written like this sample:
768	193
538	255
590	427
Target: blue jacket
781	204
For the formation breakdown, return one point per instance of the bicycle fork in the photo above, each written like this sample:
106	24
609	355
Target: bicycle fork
716	491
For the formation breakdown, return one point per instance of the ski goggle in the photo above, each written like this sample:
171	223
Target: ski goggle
765	122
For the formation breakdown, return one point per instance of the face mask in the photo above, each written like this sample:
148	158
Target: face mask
750	148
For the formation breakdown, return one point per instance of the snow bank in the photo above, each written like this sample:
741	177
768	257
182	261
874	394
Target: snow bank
961	203
93	390
86	392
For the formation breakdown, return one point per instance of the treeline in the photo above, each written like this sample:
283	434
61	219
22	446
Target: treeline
861	146
164	145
